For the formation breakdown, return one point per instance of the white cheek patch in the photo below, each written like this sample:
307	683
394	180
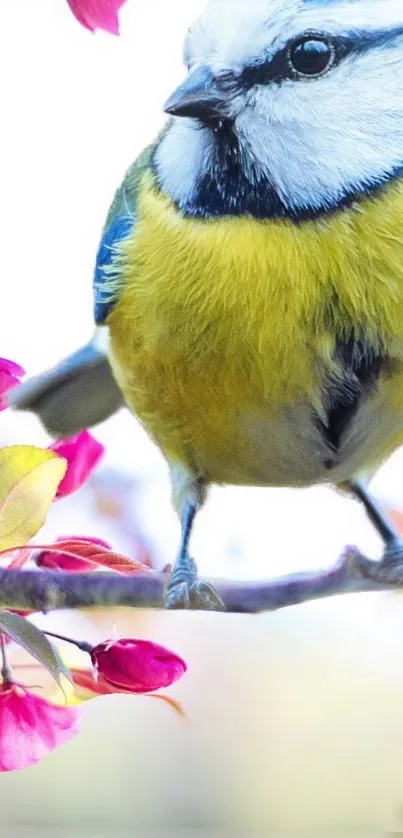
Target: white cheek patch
317	141
182	156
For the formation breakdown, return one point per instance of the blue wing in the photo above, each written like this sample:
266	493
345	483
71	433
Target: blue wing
119	224
104	296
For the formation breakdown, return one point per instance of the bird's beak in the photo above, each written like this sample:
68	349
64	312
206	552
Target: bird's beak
197	97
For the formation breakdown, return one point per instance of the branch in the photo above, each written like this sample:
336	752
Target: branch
46	591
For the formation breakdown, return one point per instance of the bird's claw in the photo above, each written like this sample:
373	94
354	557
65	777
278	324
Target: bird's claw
199	595
185	590
388	571
205	597
177	596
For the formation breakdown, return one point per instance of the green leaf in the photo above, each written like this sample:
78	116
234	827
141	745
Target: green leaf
63	669
33	641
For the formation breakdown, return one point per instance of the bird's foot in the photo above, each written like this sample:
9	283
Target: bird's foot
185	590
389	570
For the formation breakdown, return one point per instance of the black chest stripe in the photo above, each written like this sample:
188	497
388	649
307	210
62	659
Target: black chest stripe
358	366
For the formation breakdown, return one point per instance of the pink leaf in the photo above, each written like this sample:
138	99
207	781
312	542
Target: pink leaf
31	727
82	453
97	14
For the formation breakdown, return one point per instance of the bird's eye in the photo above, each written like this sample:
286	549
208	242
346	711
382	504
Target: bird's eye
310	56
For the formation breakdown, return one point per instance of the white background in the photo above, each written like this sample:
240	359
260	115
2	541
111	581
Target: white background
75	111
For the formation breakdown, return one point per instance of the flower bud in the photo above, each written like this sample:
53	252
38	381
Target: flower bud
137	666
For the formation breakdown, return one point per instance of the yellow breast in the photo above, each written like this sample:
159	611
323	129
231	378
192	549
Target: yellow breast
221	323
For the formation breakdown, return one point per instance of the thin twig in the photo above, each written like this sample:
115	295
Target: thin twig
6	673
42	590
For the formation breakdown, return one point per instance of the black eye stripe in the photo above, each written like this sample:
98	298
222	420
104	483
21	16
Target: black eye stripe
278	69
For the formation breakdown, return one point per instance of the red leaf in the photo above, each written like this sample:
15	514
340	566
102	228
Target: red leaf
173	703
96	555
85	679
51	560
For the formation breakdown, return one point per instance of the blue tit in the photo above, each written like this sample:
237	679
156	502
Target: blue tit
250	273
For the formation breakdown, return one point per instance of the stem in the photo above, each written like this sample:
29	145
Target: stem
6	672
81	644
35	590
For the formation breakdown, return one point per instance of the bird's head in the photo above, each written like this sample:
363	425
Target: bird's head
290	108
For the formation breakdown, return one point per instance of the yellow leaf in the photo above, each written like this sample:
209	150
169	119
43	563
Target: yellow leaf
29	478
66	696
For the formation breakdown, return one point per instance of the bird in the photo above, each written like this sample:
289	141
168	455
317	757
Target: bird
248	287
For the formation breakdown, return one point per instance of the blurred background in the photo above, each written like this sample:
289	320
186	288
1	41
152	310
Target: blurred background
295	719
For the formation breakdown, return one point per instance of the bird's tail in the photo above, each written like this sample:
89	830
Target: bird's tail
77	393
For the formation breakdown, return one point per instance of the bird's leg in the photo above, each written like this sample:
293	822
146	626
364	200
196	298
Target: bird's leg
390	568
185	590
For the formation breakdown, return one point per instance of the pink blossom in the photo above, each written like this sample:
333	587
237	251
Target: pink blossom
82	453
31	727
10	374
61	561
138	666
97	14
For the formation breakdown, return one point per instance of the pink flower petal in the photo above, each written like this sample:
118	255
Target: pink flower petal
82	453
11	367
97	14
138	666
31	727
75	6
9	378
7	382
